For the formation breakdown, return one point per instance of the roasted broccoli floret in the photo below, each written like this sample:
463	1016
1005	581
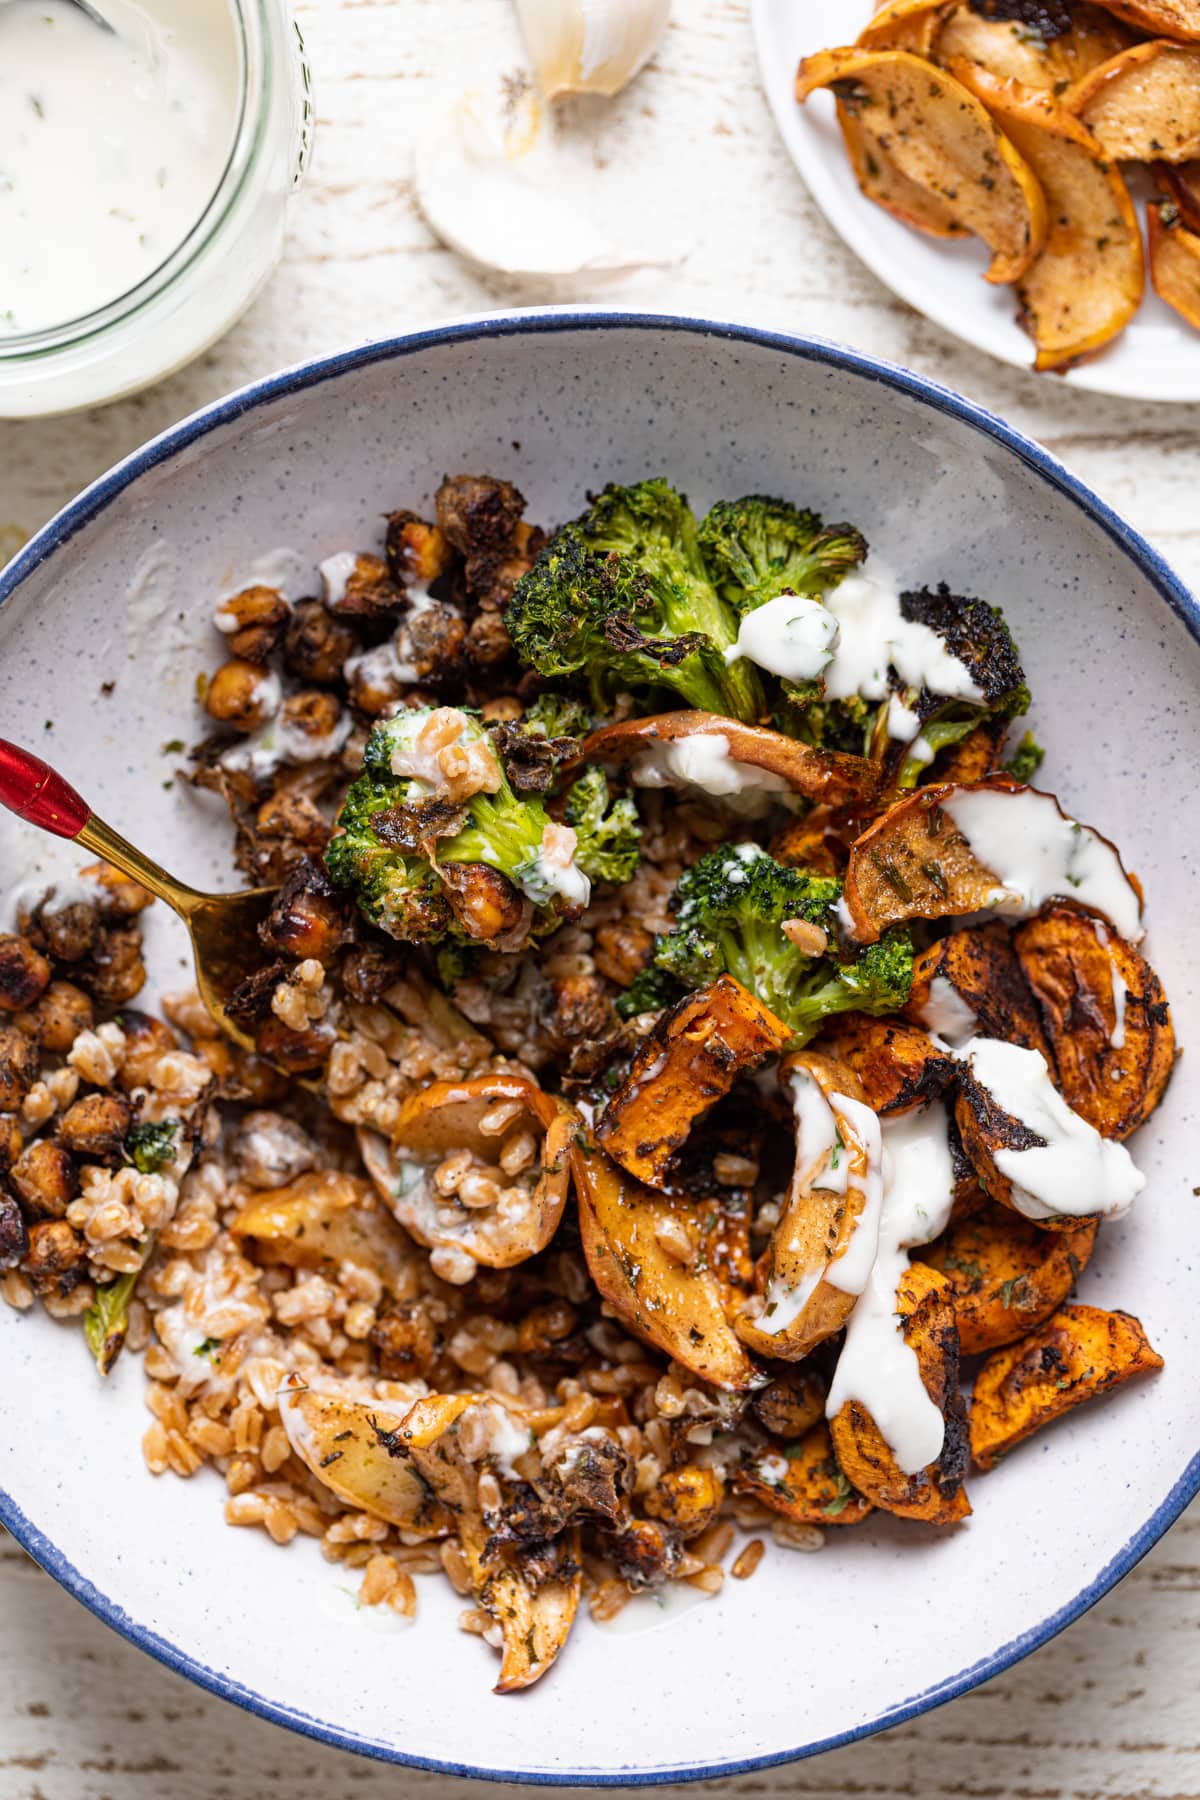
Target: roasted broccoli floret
1026	759
608	846
758	547
556	716
620	599
403	819
650	990
976	634
730	909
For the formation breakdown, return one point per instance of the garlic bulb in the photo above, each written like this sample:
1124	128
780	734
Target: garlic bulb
590	46
494	187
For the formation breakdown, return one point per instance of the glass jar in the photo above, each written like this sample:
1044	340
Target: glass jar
209	280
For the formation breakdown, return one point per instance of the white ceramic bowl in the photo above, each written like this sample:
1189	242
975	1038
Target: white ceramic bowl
888	1619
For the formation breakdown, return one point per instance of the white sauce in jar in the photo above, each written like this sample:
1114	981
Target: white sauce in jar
111	146
1036	854
1076	1173
877	1367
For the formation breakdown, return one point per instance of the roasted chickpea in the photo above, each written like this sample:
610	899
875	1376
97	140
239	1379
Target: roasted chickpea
68	932
96	1127
374	684
218	1054
24	973
359	585
407	1341
253	621
115	972
43	1179
20	1065
689	1498
14	1238
370	969
622	950
242	695
313	713
146	1039
488	640
416	550
63	1011
119	897
308	919
792	1404
54	1248
299	1052
316	645
546	1326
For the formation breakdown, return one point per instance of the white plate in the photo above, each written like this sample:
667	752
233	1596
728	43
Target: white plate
888	1619
1157	357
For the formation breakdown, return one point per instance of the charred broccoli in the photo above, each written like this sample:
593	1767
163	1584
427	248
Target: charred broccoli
608	839
757	548
730	910
976	634
432	795
1026	759
620	599
556	716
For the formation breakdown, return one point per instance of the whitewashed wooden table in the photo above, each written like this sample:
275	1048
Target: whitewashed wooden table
1112	1707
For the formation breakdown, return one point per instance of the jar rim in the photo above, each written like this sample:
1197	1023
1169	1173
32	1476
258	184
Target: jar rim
254	78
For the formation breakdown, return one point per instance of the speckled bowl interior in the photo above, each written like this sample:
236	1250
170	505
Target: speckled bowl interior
886	1619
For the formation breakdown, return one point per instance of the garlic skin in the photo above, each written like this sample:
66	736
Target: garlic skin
492	185
590	46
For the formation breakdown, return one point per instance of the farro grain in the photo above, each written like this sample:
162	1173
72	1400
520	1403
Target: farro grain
606	1600
455	1565
747	1560
379	1578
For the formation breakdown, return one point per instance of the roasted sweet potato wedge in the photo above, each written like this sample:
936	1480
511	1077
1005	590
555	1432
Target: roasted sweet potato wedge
339	1440
1007	1275
972	983
793	1402
977	756
802	1481
882	180
1008	48
904	25
835	1193
812	842
1078	1354
687	1063
1106	1017
831	777
330	1218
939	137
1087	280
917	862
1175	260
1162	18
1143	104
898	1065
644	1252
925	1304
480	1116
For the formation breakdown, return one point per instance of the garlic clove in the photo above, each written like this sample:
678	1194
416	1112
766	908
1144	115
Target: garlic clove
590	46
493	188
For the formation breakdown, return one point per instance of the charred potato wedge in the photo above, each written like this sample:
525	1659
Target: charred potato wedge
831	777
329	1218
1175	261
1007	1275
1161	18
688	1062
1106	1017
897	1064
914	863
1088	278
883	181
925	1305
798	1304
1143	104
480	1116
803	1482
1077	1355
644	1254
340	1441
1179	182
972	982
940	138
1003	47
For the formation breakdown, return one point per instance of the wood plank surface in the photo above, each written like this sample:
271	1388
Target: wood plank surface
1111	1709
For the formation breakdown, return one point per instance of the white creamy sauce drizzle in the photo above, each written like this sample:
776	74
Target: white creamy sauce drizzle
549	875
1037	855
877	1367
286	570
947	1015
703	761
335	573
1120	991
790	636
111	146
1076	1173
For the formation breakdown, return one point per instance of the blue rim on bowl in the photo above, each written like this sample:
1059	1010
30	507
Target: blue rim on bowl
101	494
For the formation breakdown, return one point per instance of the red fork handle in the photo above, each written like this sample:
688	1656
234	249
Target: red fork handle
34	791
